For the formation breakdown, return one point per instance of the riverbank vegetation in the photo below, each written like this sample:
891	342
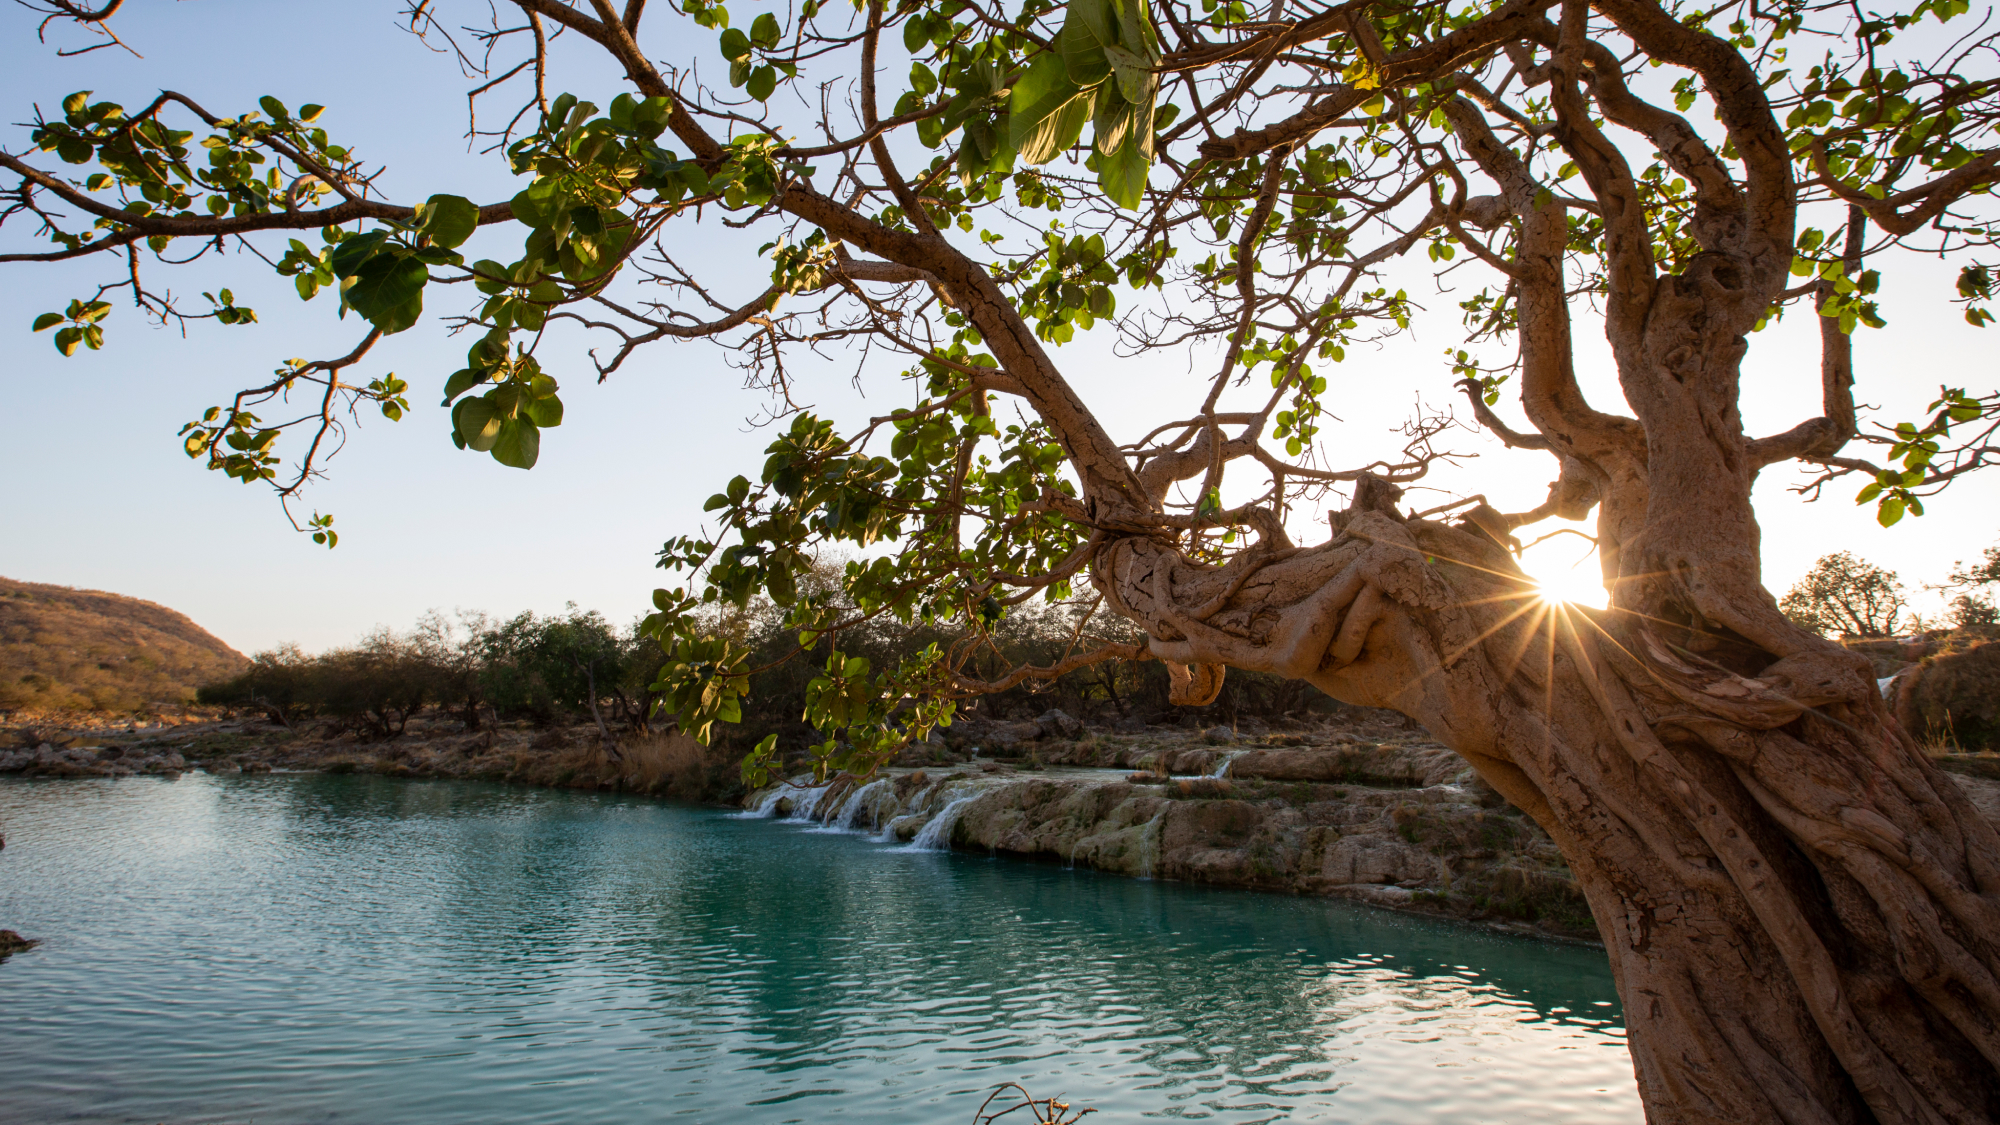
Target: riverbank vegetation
551	670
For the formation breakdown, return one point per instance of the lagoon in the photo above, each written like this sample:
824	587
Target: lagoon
311	948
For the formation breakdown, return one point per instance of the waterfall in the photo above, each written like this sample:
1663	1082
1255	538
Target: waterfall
807	803
766	806
1149	841
858	803
936	835
1222	770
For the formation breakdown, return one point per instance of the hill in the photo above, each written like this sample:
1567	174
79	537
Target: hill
68	649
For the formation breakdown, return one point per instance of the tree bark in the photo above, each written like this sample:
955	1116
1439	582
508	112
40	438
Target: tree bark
1798	906
1800	909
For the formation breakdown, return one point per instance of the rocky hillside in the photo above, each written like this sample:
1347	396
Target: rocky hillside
64	649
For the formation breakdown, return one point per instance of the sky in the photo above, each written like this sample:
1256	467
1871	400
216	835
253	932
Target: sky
98	493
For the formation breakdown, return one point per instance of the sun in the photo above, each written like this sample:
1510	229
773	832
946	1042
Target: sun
1563	574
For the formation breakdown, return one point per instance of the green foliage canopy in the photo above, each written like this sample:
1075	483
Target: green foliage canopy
1246	178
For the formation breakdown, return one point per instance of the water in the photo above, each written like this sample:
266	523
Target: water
291	949
935	836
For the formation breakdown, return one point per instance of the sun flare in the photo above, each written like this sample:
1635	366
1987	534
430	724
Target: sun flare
1564	577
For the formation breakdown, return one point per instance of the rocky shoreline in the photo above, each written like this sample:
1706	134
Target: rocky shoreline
1359	807
1404	827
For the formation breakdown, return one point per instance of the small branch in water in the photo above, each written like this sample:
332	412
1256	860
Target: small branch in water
1044	1111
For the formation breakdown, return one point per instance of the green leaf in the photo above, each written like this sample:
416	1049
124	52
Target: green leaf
518	445
764	30
489	271
1113	119
544	412
461	381
389	290
778	582
1056	133
1890	511
1133	72
1085	32
48	320
537	205
763	81
696	180
1042	90
448	219
735	45
273	107
1122	175
347	258
475	423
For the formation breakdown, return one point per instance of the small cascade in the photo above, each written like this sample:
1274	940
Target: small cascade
859	803
806	804
766	807
1149	841
1222	767
936	834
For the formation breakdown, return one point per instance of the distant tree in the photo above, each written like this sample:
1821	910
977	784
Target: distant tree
376	687
452	649
1986	572
563	665
1973	609
279	682
1844	596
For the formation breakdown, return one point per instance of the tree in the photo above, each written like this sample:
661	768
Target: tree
1971	606
1800	909
1973	609
1844	596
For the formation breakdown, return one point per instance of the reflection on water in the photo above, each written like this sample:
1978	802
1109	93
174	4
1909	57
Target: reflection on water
306	949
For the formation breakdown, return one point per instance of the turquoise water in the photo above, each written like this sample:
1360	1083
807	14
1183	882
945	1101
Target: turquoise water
285	949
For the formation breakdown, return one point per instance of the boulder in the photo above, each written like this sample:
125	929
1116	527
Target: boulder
1378	859
991	737
1194	761
1056	724
1356	763
1953	698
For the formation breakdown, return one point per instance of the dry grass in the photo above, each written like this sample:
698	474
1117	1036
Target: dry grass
84	650
665	763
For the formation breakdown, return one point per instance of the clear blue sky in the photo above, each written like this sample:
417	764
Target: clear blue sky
98	493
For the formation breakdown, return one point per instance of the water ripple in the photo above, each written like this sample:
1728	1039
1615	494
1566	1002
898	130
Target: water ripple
319	949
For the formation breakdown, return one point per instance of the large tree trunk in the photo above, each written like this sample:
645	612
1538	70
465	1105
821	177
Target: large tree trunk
1798	906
